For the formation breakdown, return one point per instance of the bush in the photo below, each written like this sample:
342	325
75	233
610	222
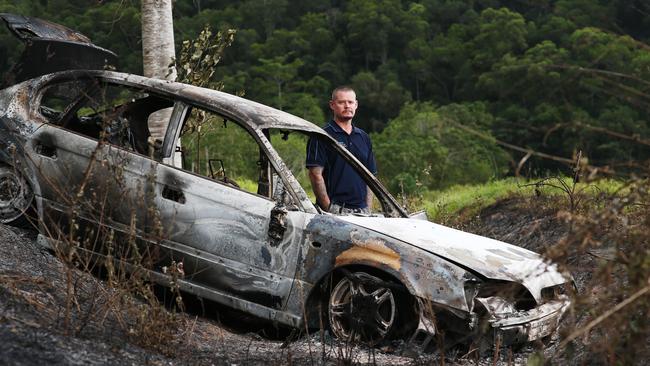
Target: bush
425	144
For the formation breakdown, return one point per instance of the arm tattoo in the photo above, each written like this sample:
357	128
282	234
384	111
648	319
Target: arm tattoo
318	186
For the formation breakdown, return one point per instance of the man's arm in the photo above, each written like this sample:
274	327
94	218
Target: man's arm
318	186
369	197
372	166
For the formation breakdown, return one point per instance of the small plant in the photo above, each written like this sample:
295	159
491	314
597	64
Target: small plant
570	189
197	65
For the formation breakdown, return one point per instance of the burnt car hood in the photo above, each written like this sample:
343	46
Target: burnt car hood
488	257
51	47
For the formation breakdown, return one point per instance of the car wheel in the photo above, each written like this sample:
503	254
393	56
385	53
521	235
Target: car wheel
15	196
362	309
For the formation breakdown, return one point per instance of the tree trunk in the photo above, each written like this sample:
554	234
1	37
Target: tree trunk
158	55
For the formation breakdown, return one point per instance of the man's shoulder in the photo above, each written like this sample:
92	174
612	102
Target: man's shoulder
333	130
331	126
361	132
328	127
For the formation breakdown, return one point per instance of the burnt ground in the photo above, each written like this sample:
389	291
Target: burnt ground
40	323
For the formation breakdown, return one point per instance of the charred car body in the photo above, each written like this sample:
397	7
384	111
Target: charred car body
75	147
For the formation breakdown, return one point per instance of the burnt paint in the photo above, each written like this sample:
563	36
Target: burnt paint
336	237
230	281
262	298
45	139
331	232
523	253
25	28
424	275
173	180
266	256
7	139
42	57
51	47
277	225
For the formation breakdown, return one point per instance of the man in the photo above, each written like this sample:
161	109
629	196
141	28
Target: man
338	187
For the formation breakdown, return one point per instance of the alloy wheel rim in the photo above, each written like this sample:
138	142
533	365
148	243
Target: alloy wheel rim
361	309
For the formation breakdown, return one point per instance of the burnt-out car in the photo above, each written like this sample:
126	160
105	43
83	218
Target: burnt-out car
76	149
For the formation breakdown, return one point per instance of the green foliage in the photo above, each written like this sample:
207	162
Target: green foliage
291	149
382	99
199	58
272	76
555	77
225	150
213	145
542	69
423	148
500	32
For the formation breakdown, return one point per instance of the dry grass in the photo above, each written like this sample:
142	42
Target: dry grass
608	243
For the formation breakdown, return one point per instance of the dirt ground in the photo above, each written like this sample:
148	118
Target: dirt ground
38	326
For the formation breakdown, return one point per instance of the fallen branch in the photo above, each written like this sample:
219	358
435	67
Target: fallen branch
590	168
634	138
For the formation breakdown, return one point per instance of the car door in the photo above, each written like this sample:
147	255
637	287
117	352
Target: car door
238	244
221	235
61	158
96	191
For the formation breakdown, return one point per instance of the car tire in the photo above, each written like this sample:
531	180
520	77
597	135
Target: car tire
363	308
16	197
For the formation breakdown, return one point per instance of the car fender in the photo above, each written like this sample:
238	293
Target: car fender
332	244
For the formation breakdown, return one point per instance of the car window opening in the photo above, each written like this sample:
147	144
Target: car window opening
218	148
118	114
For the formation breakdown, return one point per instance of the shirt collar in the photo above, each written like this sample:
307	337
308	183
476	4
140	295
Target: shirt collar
338	128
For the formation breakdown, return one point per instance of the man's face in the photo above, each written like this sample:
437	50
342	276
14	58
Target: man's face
344	105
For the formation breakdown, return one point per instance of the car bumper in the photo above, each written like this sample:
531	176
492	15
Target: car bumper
505	326
526	326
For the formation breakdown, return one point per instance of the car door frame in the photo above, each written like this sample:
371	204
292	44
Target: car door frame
268	286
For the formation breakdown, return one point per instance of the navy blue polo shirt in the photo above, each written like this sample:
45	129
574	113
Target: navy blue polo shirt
343	183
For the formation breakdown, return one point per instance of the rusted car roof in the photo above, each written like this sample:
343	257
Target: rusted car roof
255	114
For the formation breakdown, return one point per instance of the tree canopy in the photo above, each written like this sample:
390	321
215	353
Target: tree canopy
552	76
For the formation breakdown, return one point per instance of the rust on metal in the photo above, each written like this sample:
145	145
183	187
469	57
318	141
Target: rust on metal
370	250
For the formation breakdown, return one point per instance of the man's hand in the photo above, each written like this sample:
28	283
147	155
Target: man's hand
318	186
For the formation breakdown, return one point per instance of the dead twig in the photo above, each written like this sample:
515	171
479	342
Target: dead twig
637	295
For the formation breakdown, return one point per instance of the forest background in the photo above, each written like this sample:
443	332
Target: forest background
453	92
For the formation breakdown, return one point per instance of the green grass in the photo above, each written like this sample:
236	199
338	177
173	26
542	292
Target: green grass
247	185
470	199
439	204
251	186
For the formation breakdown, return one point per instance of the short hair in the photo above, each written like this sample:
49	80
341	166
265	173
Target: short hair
342	88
